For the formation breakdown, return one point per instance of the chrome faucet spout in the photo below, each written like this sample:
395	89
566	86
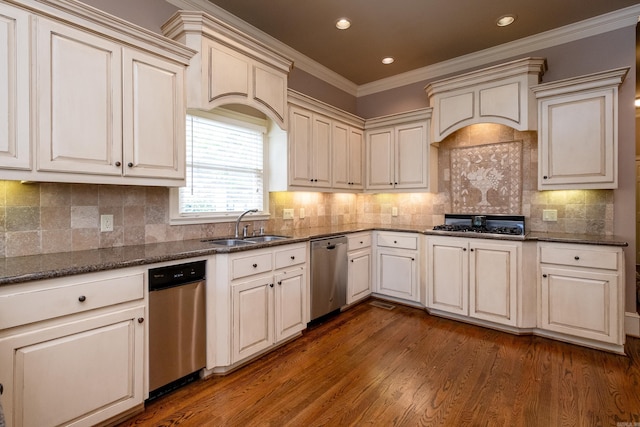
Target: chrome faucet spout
240	219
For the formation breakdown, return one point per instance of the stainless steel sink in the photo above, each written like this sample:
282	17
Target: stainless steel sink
229	242
270	238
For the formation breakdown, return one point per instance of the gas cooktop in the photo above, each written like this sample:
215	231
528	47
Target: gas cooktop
502	225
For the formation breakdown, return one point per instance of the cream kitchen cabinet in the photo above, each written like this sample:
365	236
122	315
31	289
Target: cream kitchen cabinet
359	267
397	265
480	279
582	294
498	94
309	149
107	113
231	68
259	299
398	153
60	338
578	132
348	154
15	148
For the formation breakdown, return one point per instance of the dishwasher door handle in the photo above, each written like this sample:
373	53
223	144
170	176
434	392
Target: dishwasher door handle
329	247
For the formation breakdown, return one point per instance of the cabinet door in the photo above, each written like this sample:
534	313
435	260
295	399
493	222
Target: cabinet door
79	102
15	146
493	279
397	275
380	159
300	147
340	155
356	154
80	372
153	117
448	267
577	141
290	300
411	156
321	161
252	317
359	276
582	303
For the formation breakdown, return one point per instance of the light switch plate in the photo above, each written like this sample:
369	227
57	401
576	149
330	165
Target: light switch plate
106	222
287	214
394	211
549	215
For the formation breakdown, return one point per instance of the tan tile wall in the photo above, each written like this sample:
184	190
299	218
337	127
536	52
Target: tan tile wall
46	217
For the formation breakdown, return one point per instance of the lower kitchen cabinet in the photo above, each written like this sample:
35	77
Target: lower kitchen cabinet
581	292
77	366
258	298
480	279
397	265
359	267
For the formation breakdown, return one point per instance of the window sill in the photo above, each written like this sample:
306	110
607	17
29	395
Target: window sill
205	219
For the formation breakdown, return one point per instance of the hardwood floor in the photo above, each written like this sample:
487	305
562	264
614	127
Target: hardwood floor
403	367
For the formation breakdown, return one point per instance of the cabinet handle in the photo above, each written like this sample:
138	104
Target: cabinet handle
1	388
130	164
271	285
118	164
280	283
82	298
140	319
544	275
293	257
576	257
255	265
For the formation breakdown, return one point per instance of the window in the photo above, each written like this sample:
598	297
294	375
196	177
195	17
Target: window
225	168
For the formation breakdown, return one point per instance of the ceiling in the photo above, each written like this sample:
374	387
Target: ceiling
416	33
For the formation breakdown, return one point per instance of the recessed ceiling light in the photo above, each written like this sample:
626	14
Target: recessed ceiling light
505	20
388	60
343	24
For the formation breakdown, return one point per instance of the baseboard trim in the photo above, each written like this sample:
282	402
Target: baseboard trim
632	324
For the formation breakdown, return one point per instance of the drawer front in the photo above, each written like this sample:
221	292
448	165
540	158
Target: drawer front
359	241
403	241
252	264
292	256
50	302
579	257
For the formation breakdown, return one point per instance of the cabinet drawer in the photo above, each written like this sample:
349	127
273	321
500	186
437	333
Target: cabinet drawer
398	241
252	264
35	304
291	256
579	257
359	241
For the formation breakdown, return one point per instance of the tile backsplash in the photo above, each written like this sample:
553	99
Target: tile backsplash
48	217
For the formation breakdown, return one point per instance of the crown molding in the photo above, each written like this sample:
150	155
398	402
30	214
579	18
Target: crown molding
590	27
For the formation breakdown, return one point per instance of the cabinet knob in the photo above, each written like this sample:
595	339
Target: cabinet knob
140	319
118	164
544	275
395	241
545	177
361	242
464	249
396	183
576	257
351	260
130	164
82	298
280	283
293	257
271	285
471	249
255	265
391	183
1	388
413	259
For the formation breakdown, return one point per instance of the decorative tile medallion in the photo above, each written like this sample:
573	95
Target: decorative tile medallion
487	178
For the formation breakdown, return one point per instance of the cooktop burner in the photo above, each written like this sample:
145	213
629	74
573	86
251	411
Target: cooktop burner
511	225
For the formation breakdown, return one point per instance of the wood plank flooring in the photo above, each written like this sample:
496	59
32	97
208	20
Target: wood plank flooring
403	367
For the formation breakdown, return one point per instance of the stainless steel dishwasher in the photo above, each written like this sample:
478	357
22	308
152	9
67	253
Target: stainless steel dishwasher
176	326
328	275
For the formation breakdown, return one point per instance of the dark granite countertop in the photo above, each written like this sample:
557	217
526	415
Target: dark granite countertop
37	267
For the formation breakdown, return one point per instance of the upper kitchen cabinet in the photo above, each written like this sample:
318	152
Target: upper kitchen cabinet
398	154
105	98
498	94
230	67
322	151
15	151
578	131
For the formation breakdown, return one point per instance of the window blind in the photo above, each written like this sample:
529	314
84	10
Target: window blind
225	171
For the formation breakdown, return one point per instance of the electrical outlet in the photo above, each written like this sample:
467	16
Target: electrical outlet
106	222
301	213
287	214
394	211
549	215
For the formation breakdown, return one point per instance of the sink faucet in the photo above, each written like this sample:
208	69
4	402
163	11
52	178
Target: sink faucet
240	219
